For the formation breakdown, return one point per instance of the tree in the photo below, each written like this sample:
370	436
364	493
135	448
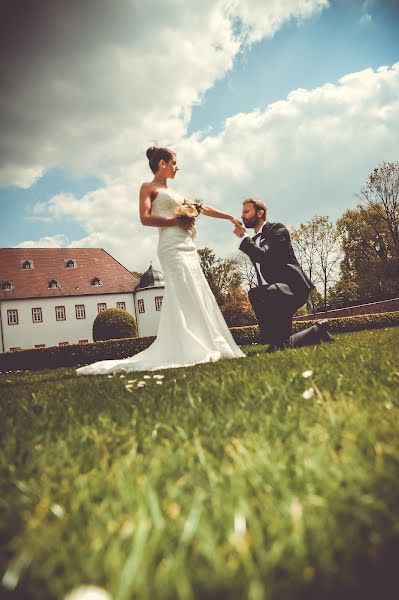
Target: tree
304	240
317	248
222	274
246	270
329	256
381	196
237	310
369	265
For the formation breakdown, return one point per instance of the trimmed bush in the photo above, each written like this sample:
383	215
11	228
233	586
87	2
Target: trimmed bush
77	355
73	355
250	335
114	324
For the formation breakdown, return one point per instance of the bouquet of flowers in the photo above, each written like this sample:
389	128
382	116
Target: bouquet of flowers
189	210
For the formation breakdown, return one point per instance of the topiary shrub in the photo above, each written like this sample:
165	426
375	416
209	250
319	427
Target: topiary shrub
114	324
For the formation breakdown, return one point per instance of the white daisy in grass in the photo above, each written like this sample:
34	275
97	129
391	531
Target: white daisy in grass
88	592
307	374
308	394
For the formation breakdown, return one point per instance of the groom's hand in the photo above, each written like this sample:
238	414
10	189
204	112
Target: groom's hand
239	229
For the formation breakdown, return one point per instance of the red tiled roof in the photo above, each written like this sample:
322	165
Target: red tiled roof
49	263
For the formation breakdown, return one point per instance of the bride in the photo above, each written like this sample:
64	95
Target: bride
191	329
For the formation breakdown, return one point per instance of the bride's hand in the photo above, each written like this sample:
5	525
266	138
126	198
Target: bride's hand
236	222
187	223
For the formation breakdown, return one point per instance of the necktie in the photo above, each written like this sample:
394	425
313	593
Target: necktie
257	236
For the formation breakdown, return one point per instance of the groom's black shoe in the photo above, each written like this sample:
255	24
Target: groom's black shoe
275	347
322	328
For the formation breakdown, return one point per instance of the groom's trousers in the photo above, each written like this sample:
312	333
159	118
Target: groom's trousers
274	306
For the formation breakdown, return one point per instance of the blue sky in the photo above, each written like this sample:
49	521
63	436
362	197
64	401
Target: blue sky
85	150
317	51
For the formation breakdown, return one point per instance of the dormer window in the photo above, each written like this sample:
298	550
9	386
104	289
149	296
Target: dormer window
70	264
6	285
26	264
95	281
53	284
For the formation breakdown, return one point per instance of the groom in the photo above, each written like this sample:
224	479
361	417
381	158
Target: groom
282	285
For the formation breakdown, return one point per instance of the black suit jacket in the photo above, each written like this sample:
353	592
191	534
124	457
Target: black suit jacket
276	258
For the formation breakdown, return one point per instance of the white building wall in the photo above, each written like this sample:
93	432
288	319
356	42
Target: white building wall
147	322
52	332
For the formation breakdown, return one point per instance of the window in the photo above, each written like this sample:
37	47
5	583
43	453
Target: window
140	304
70	264
40	345
121	305
83	341
12	317
60	314
63	343
101	306
158	302
95	281
6	285
37	316
26	264
53	284
80	311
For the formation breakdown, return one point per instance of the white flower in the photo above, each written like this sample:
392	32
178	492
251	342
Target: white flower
146	376
307	374
121	376
240	524
158	376
57	510
296	510
308	394
88	592
109	376
158	382
141	384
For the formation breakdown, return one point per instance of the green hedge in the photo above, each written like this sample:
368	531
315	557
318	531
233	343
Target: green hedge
82	354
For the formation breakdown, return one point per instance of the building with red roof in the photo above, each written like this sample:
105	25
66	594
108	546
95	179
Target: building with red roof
51	296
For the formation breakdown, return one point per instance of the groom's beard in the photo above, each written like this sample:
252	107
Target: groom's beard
251	223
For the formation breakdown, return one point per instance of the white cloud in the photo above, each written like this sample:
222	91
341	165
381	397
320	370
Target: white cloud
259	18
306	155
48	241
366	19
88	86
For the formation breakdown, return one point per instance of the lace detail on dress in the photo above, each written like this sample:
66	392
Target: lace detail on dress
166	202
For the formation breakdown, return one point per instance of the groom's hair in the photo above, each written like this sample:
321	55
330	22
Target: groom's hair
258	204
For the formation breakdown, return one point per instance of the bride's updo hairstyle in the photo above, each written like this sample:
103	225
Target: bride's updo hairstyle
154	155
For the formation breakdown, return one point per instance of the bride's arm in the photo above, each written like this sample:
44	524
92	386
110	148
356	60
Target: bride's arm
209	211
149	219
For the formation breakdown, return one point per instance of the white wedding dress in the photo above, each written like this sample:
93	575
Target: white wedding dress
191	329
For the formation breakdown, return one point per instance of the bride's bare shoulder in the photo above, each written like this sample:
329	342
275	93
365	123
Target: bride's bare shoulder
149	189
148	186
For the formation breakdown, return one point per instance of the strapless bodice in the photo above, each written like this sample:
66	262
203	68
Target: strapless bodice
166	202
171	238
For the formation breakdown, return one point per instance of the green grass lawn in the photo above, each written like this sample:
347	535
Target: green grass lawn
216	481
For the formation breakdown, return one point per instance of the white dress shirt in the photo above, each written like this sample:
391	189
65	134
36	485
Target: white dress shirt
257	265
